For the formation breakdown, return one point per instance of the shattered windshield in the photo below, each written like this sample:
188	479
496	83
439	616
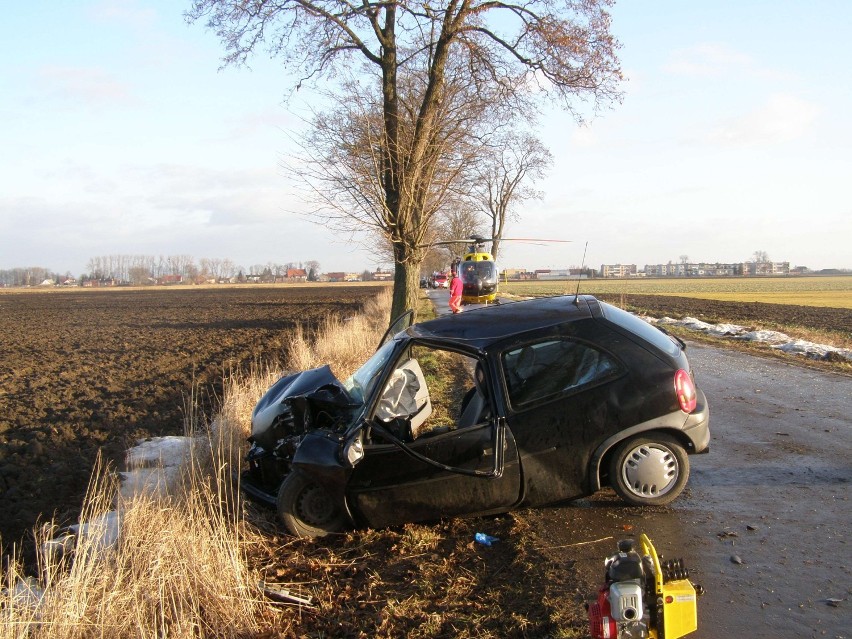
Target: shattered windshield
361	384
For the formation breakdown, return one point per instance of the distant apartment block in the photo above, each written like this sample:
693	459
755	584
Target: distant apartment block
680	269
618	270
706	269
547	274
766	268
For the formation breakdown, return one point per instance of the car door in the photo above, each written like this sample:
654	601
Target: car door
561	394
453	463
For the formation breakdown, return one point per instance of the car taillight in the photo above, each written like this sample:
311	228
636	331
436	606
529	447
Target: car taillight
685	389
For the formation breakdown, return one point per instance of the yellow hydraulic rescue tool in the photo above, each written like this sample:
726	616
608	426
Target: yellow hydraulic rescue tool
644	597
677	605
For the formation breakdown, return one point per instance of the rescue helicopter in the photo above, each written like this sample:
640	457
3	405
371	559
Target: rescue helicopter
478	269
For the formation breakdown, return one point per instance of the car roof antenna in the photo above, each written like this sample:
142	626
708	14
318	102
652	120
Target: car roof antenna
580	275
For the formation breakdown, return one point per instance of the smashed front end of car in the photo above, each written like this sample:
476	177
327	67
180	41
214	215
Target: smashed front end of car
297	405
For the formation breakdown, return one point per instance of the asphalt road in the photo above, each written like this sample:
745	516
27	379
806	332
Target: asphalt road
764	524
781	463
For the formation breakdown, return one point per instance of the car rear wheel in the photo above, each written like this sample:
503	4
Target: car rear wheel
649	471
306	509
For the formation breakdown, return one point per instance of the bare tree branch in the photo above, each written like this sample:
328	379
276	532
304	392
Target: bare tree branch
437	79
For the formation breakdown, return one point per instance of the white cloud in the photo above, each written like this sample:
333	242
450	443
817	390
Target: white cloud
87	86
706	60
125	12
716	60
584	137
783	118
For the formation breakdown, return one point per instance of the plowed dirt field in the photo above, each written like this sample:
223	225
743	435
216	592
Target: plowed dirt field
833	320
97	369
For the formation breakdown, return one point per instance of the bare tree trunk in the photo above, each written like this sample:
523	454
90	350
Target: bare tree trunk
406	284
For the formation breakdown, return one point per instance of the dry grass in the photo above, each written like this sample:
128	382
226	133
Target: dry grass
344	343
429	580
177	568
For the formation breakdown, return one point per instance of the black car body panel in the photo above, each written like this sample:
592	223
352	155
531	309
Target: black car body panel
388	487
558	385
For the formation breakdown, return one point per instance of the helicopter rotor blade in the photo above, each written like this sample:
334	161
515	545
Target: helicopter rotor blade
469	240
477	239
531	239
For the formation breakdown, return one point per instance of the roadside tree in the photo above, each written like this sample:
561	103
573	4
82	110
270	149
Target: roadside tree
402	52
504	178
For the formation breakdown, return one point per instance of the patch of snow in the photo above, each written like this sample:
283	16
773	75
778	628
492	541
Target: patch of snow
154	465
777	340
97	535
768	337
100	533
25	593
697	325
814	351
729	329
158	451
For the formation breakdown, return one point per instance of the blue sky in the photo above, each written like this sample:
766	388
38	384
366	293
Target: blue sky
120	135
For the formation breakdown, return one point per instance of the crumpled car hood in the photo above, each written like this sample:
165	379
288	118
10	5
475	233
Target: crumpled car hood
295	401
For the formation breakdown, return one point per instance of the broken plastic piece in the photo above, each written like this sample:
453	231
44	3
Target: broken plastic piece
485	540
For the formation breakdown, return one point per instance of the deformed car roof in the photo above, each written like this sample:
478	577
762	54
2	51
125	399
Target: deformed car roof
479	328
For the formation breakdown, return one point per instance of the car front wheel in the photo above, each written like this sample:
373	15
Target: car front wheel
306	509
649	471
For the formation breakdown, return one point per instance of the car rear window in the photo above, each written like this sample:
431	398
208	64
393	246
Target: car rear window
537	371
641	328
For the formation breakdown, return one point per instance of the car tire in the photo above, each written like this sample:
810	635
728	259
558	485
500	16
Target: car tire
306	509
649	470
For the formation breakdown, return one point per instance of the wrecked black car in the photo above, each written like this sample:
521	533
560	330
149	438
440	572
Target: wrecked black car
519	404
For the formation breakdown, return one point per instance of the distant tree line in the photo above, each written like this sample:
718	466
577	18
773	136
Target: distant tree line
29	276
140	270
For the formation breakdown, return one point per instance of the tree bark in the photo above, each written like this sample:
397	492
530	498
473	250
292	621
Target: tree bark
406	283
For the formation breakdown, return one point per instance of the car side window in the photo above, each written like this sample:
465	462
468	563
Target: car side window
537	371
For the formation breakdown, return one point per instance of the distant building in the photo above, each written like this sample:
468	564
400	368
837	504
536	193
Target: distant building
296	275
335	277
99	283
766	268
382	276
618	270
553	274
716	269
517	274
657	270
